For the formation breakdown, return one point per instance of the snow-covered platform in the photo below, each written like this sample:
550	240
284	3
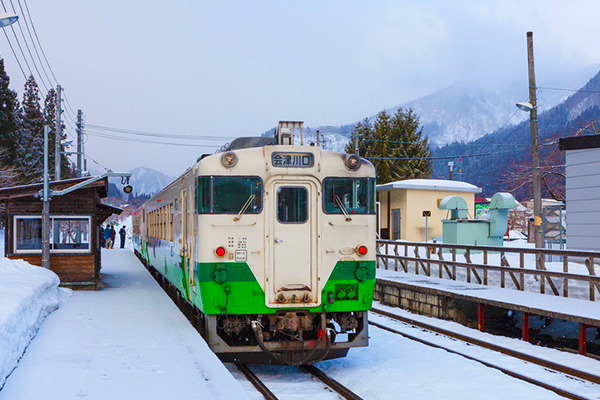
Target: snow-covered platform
125	341
582	311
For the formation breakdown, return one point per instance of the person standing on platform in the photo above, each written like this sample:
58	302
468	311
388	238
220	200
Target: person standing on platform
122	233
113	235
107	236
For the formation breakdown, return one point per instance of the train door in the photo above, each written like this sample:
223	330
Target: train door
294	239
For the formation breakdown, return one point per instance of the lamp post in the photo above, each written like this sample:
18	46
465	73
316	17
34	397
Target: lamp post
535	156
7	19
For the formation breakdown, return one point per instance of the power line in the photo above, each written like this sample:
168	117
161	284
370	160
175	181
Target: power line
440	158
115	137
568	90
28	49
155	134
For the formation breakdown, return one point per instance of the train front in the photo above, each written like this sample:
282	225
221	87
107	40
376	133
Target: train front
286	253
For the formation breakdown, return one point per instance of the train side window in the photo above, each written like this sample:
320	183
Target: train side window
292	204
354	196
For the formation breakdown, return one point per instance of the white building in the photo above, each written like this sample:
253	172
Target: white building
582	191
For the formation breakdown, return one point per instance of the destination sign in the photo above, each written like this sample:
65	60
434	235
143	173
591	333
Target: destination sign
293	160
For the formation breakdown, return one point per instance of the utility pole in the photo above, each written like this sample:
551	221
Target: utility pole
46	206
57	148
356	143
450	171
79	141
535	156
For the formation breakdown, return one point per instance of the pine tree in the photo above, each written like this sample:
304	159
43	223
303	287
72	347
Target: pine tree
395	146
10	120
30	150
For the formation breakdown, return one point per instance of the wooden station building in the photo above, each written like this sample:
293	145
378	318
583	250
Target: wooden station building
75	219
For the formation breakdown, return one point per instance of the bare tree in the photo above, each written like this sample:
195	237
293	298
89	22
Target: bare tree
519	177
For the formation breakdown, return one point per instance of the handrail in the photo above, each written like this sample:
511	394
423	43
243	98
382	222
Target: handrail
447	264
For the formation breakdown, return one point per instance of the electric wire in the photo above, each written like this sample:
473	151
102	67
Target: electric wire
28	49
33	42
18	43
568	90
156	134
126	139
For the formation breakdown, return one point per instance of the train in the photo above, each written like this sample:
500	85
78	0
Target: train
270	247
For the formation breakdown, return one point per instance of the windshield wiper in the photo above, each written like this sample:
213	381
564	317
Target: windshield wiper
343	208
245	207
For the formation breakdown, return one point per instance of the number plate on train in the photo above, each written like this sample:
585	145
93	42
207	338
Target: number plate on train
295	160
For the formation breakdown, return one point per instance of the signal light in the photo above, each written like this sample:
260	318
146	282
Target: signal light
128	189
220	251
362	250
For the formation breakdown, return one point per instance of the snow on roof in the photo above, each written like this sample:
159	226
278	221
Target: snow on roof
431	184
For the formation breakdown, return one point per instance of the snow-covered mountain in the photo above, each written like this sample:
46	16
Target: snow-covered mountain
465	112
148	181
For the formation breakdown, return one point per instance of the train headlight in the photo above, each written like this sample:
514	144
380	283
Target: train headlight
229	159
362	250
352	162
220	251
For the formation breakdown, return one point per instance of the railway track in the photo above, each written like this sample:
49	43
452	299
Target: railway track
546	364
334	385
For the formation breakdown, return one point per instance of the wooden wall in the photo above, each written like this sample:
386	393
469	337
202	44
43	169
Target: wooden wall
72	269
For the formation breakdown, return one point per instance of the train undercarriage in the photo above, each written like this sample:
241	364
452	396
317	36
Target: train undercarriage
289	337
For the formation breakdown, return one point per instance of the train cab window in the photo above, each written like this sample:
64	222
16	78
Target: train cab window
292	204
229	195
352	196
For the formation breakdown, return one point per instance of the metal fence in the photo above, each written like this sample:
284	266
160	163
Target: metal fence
488	265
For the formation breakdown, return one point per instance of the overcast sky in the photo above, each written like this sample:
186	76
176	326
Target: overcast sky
235	68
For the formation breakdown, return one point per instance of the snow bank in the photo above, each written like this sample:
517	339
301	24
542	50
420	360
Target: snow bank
27	295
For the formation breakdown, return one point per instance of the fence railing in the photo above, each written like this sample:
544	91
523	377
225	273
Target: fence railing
507	267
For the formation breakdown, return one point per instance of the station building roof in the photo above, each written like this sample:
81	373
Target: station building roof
430	184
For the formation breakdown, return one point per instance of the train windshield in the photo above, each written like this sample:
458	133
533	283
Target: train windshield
354	196
229	194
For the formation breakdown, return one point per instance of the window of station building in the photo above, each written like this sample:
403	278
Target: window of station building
68	234
354	196
229	194
292	204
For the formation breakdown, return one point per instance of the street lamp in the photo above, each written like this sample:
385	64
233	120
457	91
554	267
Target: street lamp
7	19
535	156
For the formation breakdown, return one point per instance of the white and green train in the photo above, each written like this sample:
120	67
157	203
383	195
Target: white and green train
270	246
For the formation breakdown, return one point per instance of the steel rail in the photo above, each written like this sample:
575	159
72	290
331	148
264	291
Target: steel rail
513	353
258	384
508	372
332	383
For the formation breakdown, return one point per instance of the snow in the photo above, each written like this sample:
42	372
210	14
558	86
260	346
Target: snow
431	184
127	340
27	295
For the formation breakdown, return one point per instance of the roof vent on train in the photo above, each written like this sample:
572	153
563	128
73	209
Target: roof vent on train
286	131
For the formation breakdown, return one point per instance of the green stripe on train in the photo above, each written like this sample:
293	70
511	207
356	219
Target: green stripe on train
231	288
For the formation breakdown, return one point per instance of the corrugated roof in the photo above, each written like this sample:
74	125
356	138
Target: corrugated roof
431	184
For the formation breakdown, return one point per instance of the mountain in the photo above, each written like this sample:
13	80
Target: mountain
465	112
148	181
145	181
488	161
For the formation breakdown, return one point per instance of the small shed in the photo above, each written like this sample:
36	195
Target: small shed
75	219
582	191
402	203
